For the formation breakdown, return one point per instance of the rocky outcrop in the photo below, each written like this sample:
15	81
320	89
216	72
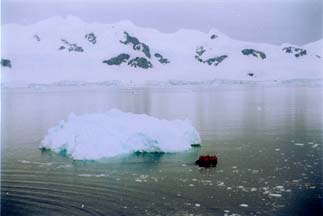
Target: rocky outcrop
91	38
140	62
6	63
253	52
70	47
213	36
298	52
200	51
118	60
136	44
215	60
210	61
161	59
36	37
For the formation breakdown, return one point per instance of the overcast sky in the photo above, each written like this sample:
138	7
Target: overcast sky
270	21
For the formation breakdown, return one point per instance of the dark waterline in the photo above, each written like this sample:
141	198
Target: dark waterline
268	140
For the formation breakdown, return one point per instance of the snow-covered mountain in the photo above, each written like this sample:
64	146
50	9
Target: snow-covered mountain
69	49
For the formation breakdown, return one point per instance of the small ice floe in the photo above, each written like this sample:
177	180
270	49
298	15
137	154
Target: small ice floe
220	184
142	178
64	166
24	161
315	145
277	149
253	189
255	171
35	163
92	175
191	185
244	205
82	206
155	179
275	195
197	204
299	144
279	188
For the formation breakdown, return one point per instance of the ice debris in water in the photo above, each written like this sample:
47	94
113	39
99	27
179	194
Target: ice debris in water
244	205
100	135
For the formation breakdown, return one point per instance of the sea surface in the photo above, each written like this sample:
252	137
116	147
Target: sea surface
268	140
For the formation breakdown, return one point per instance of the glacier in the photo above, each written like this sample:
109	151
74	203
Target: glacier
68	49
101	135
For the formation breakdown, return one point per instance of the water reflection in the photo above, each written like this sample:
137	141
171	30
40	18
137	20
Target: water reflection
268	140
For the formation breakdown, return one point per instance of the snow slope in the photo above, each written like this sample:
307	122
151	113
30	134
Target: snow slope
100	135
63	49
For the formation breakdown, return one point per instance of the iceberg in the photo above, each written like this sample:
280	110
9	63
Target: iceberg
100	135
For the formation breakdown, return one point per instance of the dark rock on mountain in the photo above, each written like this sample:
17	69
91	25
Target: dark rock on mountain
118	60
91	37
210	61
70	47
161	59
298	52
200	50
216	60
318	56
213	36
37	38
140	62
136	44
250	74
5	63
255	53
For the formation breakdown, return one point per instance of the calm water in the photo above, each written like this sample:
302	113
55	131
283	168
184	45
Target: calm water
268	140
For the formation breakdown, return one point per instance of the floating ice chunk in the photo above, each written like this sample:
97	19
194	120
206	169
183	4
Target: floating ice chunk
315	145
275	195
244	205
92	175
99	135
299	144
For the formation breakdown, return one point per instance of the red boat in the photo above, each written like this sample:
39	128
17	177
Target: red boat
207	161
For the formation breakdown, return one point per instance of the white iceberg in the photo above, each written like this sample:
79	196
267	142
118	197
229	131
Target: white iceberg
100	135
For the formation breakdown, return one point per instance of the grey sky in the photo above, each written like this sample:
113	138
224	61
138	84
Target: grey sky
270	21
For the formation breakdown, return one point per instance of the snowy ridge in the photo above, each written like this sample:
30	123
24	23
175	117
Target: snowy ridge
68	49
100	135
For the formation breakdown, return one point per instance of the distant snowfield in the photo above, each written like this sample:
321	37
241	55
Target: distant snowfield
68	51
